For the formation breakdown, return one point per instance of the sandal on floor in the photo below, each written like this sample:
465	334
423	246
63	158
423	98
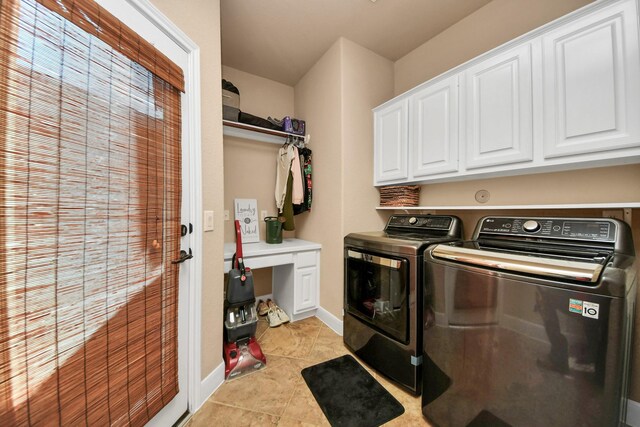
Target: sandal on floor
263	308
282	315
274	319
279	312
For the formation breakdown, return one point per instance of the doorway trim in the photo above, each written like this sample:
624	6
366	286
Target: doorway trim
192	90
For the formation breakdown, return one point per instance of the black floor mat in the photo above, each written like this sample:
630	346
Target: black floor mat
348	395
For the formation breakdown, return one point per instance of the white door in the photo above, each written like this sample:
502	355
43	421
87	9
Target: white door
433	130
498	113
592	83
128	11
390	143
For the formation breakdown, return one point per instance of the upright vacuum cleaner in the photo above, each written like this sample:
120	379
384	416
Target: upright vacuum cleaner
242	353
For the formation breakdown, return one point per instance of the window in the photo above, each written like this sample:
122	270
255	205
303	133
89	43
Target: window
90	217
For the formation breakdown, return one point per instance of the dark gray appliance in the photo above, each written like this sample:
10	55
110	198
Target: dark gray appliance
530	324
383	293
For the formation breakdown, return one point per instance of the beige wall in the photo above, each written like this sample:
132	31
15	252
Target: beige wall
259	96
488	27
200	20
318	101
615	184
362	89
336	96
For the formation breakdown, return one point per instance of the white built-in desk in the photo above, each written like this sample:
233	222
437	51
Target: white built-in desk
296	272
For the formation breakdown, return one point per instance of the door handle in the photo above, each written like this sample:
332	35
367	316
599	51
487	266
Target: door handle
183	257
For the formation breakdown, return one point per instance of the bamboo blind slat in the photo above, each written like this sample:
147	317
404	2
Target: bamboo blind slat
95	20
89	223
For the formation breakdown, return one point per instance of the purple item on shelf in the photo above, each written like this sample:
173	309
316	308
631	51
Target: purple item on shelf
294	126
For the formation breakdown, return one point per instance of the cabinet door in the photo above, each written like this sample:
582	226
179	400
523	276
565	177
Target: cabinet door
390	142
433	131
591	83
499	114
306	293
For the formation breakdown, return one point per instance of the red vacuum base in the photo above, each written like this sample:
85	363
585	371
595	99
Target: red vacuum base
241	359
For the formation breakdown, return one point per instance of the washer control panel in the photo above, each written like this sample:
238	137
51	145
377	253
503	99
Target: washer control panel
562	228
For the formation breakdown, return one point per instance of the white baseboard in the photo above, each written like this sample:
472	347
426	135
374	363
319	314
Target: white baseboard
633	413
330	320
210	384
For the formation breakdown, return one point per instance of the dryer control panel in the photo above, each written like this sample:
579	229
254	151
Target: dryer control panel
420	221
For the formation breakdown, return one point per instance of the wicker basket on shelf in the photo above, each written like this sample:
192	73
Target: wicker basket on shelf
400	195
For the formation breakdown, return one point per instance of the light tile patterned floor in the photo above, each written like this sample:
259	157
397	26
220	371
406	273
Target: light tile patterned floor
278	395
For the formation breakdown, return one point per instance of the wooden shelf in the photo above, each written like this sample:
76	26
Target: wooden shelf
256	133
510	207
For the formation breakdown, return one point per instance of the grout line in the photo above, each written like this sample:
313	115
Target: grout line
293	393
248	410
315	340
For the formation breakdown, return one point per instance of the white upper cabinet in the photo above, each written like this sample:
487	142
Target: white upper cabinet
498	109
390	143
564	96
433	129
591	83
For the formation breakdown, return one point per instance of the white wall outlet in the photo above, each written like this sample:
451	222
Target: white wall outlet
226	214
263	215
208	221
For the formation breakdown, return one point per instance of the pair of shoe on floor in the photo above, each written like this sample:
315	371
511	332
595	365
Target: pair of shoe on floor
275	315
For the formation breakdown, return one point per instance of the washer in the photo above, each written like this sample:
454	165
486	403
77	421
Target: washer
383	293
530	324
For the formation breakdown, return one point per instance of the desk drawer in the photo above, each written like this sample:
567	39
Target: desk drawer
255	262
306	259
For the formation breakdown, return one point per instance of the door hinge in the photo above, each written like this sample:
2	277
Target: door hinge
416	361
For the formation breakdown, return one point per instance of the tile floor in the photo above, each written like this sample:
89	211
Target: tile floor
278	395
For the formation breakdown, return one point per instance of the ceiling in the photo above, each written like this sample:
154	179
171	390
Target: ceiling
282	39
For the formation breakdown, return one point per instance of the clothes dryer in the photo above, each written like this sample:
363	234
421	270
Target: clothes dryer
383	293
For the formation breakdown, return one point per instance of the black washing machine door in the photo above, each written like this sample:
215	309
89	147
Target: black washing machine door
377	291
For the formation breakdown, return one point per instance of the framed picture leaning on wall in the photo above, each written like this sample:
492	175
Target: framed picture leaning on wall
246	211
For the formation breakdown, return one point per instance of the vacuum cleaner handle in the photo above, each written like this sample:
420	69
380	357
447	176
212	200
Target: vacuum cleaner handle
239	259
238	240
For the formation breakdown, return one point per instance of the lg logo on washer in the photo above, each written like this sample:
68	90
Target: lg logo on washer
586	308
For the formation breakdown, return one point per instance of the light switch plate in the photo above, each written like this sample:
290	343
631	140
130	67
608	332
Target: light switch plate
208	220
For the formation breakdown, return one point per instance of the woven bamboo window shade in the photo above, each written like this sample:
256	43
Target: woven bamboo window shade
89	218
